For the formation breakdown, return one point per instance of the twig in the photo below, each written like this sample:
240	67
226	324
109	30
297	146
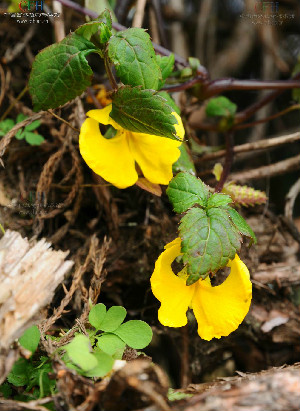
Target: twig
63	120
11	54
139	14
269	118
25	89
257	145
291	198
228	161
9	405
59	27
272	170
109	73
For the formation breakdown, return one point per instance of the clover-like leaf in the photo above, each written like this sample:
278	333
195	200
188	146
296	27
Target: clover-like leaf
134	58
111	344
97	315
31	338
78	351
113	319
209	241
135	333
60	72
143	111
104	365
185	190
33	139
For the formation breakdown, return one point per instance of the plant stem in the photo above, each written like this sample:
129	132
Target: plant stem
228	161
109	73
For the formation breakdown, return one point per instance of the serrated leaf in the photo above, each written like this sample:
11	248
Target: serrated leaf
33	139
220	106
166	64
113	319
102	23
111	344
218	200
169	101
6	390
134	58
241	224
209	241
78	351
104	365
60	72
185	190
143	111
31	338
185	162
97	315
34	125
135	333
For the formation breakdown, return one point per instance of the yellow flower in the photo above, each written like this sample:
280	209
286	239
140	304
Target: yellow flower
219	310
114	159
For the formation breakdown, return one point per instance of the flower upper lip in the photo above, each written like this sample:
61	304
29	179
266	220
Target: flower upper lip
115	159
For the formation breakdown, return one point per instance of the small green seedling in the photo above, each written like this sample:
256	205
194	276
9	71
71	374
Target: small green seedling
26	133
94	356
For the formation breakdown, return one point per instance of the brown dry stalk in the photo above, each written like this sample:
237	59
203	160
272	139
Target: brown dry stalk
257	145
275	169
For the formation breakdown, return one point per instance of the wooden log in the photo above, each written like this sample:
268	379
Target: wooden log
29	274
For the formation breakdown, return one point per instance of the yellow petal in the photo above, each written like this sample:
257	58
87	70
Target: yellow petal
170	290
220	310
155	155
111	159
102	116
179	126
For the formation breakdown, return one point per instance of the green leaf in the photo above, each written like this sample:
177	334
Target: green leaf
185	162
31	338
79	352
6	390
20	134
209	241
134	58
174	395
19	373
113	319
186	190
220	106
219	200
60	72
33	139
112	345
97	315
102	24
104	365
241	224
194	63
20	117
135	333
169	101
34	125
166	64
143	111
7	125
